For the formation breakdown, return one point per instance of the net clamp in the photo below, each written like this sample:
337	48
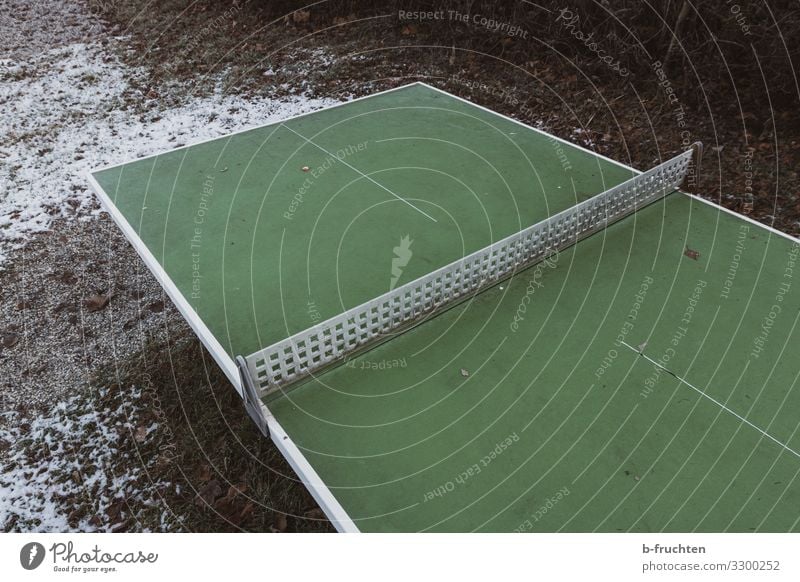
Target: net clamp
252	402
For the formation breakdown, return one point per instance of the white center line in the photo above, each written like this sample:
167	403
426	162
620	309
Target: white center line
717	402
360	172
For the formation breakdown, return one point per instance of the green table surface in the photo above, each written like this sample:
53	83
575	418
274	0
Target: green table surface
521	409
507	414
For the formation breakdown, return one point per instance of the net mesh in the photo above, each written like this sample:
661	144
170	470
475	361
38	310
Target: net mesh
303	354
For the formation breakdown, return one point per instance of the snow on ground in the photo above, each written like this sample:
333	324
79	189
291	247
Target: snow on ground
75	468
64	112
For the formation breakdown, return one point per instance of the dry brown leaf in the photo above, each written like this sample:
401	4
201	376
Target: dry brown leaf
68	278
209	493
280	523
114	510
140	435
10	339
408	30
692	254
315	513
204	473
225	506
97	302
235	490
247	511
301	16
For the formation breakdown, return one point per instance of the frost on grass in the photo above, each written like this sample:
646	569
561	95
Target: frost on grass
81	468
74	108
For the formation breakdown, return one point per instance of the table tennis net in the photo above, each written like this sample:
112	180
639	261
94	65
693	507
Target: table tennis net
307	353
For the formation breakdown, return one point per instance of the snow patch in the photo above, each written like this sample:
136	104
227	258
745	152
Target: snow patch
66	470
65	113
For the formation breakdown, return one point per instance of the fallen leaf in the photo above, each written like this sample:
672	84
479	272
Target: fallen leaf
279	525
408	30
301	16
464	372
691	253
68	278
140	435
235	490
97	302
114	510
204	474
10	339
74	516
247	511
315	513
209	493
225	506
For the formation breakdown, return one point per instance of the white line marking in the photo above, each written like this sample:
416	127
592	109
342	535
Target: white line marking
717	402
360	172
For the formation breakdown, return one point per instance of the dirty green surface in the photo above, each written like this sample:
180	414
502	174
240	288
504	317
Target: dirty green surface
515	414
262	249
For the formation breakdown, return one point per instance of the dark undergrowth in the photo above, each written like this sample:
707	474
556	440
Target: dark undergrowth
223	474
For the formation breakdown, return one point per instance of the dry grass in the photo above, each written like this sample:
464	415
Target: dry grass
700	42
229	477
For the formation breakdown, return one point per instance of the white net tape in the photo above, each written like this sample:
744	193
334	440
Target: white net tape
305	353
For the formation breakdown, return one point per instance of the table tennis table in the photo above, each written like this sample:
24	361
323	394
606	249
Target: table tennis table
447	320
